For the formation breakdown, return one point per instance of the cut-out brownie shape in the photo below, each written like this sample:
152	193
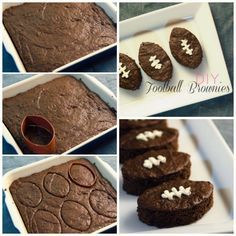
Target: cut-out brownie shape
132	124
153	168
136	142
174	203
155	62
126	125
69	198
129	73
185	47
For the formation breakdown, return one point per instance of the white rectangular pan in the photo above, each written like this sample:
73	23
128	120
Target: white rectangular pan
212	160
92	83
107	172
153	97
108	7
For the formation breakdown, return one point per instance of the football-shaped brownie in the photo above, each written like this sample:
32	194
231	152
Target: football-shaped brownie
154	168
175	203
138	141
185	47
155	62
127	125
129	73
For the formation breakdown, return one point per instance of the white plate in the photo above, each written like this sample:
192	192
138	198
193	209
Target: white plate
156	27
106	171
92	83
108	7
212	160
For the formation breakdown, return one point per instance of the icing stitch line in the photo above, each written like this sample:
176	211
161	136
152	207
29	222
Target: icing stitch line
175	193
186	46
148	163
123	72
149	135
155	62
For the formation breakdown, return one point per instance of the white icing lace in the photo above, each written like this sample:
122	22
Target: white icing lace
148	163
185	47
123	72
155	62
174	192
149	135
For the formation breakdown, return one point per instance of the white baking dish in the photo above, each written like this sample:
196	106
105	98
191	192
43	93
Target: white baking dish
108	7
212	160
92	83
106	171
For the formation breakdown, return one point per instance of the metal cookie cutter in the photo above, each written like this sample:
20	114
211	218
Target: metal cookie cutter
41	122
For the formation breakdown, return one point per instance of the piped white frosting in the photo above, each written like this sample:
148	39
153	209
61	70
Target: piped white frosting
176	193
149	135
155	62
186	47
123	72
152	161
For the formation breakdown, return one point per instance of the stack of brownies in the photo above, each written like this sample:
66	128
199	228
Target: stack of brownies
158	173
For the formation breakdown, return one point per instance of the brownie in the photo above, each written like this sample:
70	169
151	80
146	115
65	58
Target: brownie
154	168
76	113
134	142
129	73
185	47
50	35
155	61
126	125
161	207
69	198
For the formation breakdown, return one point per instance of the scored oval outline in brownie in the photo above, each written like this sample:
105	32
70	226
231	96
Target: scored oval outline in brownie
76	113
82	209
50	35
129	73
158	210
137	177
155	62
185	47
131	147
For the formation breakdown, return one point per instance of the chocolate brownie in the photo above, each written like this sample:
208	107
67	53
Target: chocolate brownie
185	47
76	113
137	142
126	125
174	203
153	168
50	35
129	73
69	198
155	62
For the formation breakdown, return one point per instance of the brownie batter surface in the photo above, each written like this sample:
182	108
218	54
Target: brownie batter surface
76	113
50	35
69	198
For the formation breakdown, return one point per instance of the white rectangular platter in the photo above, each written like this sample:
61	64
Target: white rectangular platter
153	96
108	7
92	83
106	171
212	160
